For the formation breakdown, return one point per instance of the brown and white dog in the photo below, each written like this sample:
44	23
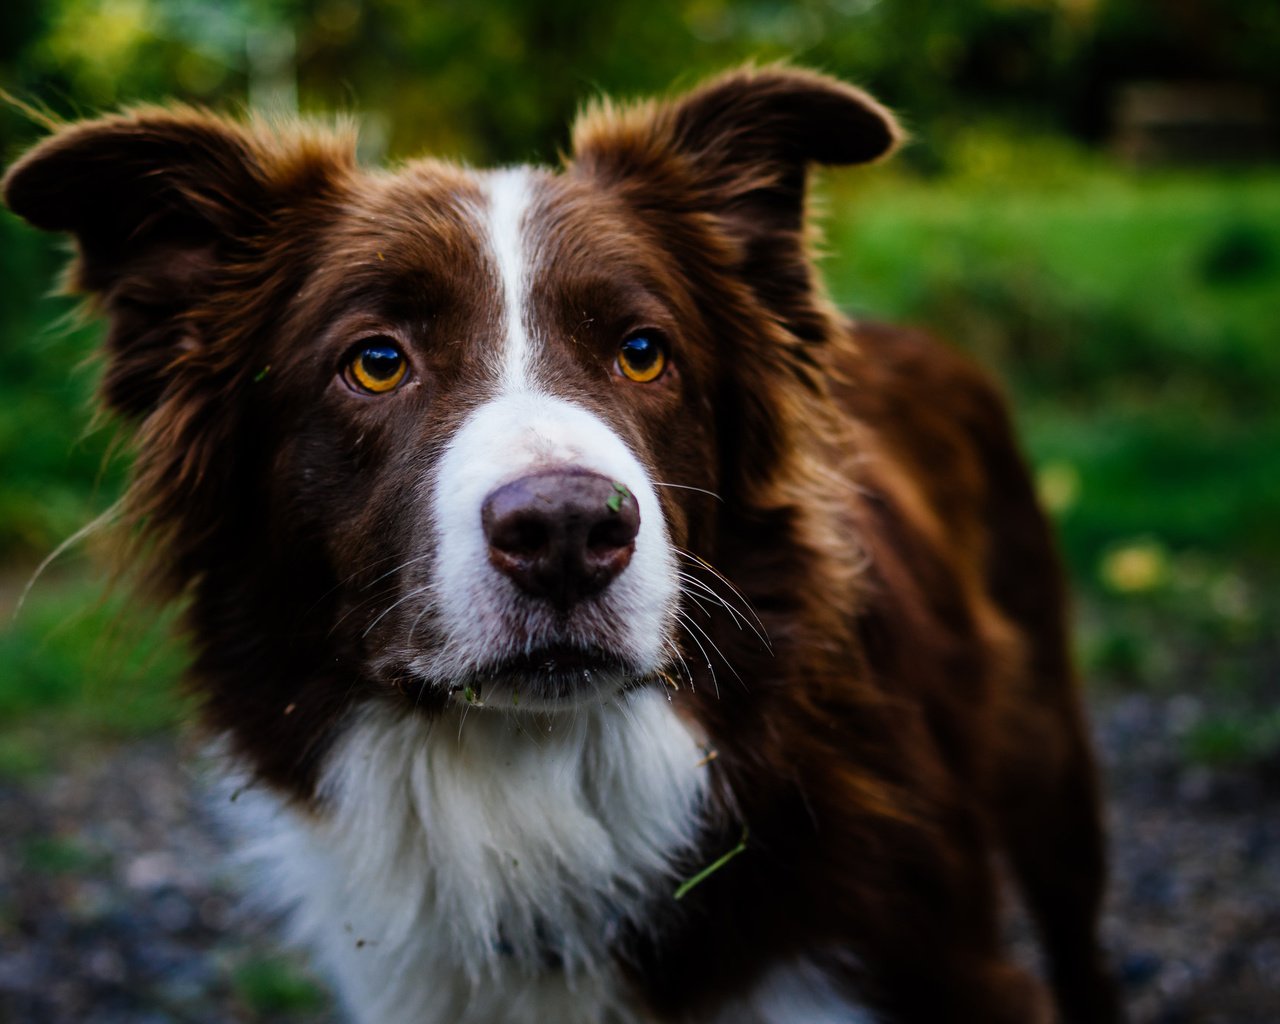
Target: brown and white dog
549	541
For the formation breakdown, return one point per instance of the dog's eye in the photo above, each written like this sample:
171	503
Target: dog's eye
376	367
642	357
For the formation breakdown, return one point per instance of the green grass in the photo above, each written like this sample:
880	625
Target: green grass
54	855
55	463
74	660
79	662
275	986
1233	738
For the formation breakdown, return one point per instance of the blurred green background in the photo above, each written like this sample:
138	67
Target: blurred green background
1091	204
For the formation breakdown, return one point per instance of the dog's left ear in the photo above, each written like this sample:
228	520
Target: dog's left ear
125	184
737	147
160	201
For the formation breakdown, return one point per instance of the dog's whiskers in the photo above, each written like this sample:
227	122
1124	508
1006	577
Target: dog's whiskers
413	626
391	572
702	605
373	597
714	646
735	615
689	627
689	556
679	661
687	487
358	606
416	592
351	577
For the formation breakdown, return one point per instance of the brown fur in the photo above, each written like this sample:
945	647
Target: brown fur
918	710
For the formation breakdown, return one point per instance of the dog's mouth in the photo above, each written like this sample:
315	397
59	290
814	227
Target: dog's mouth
549	678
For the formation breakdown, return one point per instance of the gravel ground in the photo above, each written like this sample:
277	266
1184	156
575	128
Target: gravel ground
115	906
1194	917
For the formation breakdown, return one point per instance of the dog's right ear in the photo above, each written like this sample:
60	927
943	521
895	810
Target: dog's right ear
160	201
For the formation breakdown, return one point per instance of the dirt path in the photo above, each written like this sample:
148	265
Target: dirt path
115	905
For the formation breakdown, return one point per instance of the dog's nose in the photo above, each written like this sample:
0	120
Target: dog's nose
561	535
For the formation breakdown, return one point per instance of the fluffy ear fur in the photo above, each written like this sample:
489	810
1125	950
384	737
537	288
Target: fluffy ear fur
738	148
743	139
189	230
719	176
159	202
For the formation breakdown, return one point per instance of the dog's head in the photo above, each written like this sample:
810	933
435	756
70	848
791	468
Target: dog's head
439	431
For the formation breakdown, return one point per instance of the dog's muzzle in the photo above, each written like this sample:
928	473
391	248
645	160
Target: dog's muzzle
561	536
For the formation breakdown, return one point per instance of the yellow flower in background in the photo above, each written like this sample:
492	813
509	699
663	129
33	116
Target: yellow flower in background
1058	485
1136	567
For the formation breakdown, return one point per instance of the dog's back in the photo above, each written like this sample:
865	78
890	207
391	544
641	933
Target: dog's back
967	570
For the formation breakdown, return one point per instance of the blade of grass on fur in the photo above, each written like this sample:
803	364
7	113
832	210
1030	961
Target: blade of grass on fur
713	867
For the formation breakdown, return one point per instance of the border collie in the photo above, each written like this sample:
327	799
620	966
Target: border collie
610	629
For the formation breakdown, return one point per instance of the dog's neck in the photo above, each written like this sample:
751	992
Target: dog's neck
478	844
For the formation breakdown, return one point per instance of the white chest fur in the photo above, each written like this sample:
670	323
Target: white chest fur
454	859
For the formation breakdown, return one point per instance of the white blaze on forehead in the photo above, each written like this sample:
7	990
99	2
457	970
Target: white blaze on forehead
509	193
521	429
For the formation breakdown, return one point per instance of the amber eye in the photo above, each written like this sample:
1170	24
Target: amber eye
642	357
376	367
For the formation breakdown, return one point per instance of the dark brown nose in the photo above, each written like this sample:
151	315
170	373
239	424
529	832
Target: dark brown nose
561	535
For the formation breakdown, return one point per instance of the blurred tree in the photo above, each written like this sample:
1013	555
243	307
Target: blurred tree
500	79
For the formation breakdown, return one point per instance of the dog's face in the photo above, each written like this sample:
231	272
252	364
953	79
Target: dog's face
493	429
465	433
